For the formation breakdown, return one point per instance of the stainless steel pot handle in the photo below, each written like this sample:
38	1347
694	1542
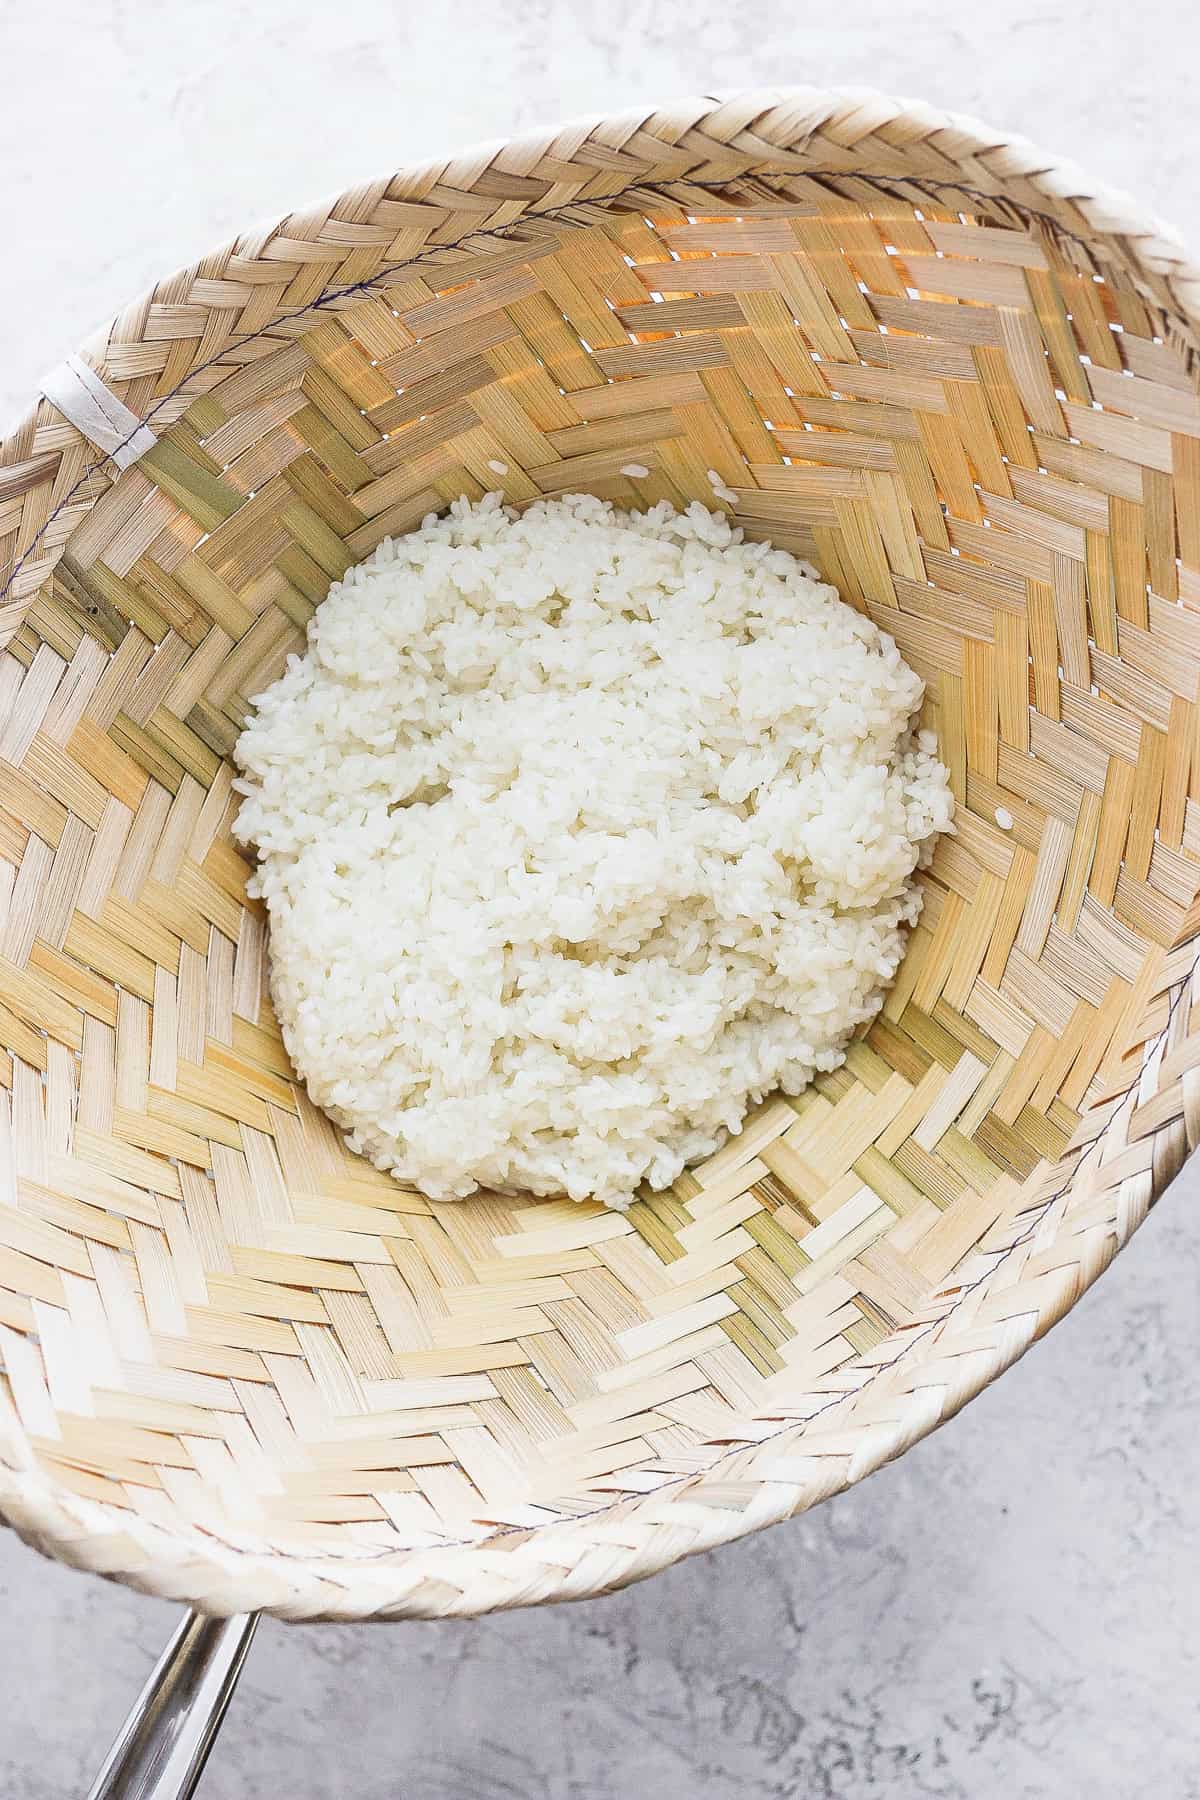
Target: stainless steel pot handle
164	1743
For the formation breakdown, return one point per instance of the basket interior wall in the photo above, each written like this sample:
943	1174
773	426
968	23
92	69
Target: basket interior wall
211	1314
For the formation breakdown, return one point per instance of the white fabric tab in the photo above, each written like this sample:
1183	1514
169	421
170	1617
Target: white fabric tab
95	410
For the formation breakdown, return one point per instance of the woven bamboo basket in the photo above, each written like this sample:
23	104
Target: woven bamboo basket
243	1368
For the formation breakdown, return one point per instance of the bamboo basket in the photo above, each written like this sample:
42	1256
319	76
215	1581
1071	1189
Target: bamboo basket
244	1369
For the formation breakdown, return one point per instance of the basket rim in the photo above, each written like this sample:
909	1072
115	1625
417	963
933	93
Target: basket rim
1152	245
875	1419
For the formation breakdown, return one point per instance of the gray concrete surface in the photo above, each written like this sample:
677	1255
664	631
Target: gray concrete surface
1013	1611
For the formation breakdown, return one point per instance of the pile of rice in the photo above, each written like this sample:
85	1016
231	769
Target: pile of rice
579	831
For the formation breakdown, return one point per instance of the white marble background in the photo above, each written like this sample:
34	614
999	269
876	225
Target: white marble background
1012	1612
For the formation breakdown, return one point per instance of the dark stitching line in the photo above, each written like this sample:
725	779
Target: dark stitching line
502	233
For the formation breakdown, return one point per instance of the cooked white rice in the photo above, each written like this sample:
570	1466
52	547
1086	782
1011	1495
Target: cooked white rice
579	831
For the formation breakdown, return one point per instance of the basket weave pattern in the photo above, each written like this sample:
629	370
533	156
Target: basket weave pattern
238	1365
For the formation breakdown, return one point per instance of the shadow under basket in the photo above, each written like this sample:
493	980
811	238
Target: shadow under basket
243	1368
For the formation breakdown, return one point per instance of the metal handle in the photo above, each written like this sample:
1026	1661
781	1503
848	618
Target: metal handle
164	1743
